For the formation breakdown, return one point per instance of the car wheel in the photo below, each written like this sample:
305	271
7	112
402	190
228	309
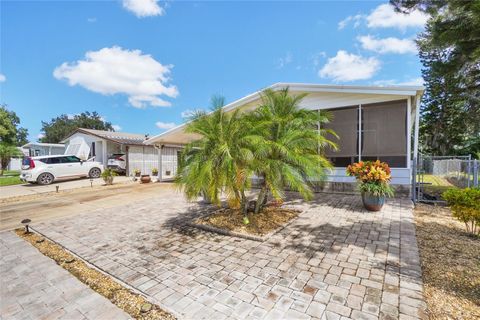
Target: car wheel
45	178
94	173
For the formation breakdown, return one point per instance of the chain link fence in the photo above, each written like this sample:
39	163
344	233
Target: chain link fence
432	175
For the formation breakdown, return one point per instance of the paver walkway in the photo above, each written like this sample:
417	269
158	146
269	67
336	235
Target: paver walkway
33	286
336	261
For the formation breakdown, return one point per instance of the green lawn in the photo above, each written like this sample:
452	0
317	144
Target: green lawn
10	178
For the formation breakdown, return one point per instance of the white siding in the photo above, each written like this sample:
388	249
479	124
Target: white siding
143	158
169	162
399	176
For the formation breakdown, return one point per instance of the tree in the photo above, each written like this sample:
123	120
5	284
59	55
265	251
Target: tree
60	127
7	151
10	132
450	53
218	161
445	120
289	154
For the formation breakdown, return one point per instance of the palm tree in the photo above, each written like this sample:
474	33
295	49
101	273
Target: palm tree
289	153
218	161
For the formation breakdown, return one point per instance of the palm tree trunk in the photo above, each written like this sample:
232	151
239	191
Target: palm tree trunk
262	196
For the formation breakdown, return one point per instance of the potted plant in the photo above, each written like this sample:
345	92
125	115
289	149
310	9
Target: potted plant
145	178
373	179
136	172
108	175
154	172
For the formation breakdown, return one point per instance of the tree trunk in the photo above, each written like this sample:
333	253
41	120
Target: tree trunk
261	199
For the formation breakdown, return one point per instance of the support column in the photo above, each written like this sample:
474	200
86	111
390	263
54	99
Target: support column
160	170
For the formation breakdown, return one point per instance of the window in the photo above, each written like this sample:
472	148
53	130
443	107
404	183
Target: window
384	133
55	160
92	151
69	159
345	124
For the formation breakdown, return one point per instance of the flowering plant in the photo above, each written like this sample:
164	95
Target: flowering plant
373	177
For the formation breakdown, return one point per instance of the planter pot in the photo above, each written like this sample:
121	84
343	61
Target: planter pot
108	180
371	202
145	178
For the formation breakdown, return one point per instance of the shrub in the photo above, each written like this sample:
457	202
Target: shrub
373	177
465	205
154	171
108	175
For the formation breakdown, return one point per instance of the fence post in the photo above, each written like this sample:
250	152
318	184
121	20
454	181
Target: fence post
475	172
414	180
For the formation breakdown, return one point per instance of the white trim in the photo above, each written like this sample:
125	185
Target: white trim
359	132
417	126
305	87
409	131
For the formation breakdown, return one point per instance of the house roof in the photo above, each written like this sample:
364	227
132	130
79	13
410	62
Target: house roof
41	144
117	137
387	91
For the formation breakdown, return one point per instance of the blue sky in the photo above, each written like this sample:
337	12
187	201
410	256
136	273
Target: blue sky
141	64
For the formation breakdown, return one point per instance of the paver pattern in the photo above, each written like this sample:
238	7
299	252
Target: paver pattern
33	286
336	261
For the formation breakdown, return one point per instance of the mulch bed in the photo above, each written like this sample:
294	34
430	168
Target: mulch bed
450	260
265	223
122	297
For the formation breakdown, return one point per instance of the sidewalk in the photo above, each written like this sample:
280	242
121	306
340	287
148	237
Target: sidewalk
29	189
35	287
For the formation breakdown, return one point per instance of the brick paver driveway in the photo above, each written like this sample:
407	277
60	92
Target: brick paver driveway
335	261
33	286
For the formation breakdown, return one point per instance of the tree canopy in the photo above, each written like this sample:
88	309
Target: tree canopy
60	127
450	54
10	131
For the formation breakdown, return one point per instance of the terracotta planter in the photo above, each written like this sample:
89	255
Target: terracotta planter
145	178
108	180
371	202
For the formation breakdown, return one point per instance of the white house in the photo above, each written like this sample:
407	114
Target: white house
98	144
372	123
33	149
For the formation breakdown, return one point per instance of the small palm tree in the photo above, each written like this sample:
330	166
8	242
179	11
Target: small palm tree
218	161
288	153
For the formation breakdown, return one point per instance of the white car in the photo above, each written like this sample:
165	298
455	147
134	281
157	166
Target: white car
46	169
117	162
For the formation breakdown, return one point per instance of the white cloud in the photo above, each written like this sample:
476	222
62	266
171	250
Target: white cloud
287	59
349	67
388	45
40	135
116	127
356	19
144	8
117	71
92	20
384	16
2	77
410	82
165	125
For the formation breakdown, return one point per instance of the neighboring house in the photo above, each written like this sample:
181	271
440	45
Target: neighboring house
372	123
98	144
34	149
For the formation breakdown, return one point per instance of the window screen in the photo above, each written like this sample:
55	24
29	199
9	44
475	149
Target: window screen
345	125
384	133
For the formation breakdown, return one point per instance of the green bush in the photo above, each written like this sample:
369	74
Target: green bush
465	205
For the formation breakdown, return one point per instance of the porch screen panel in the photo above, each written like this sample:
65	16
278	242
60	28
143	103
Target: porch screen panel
384	133
345	125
